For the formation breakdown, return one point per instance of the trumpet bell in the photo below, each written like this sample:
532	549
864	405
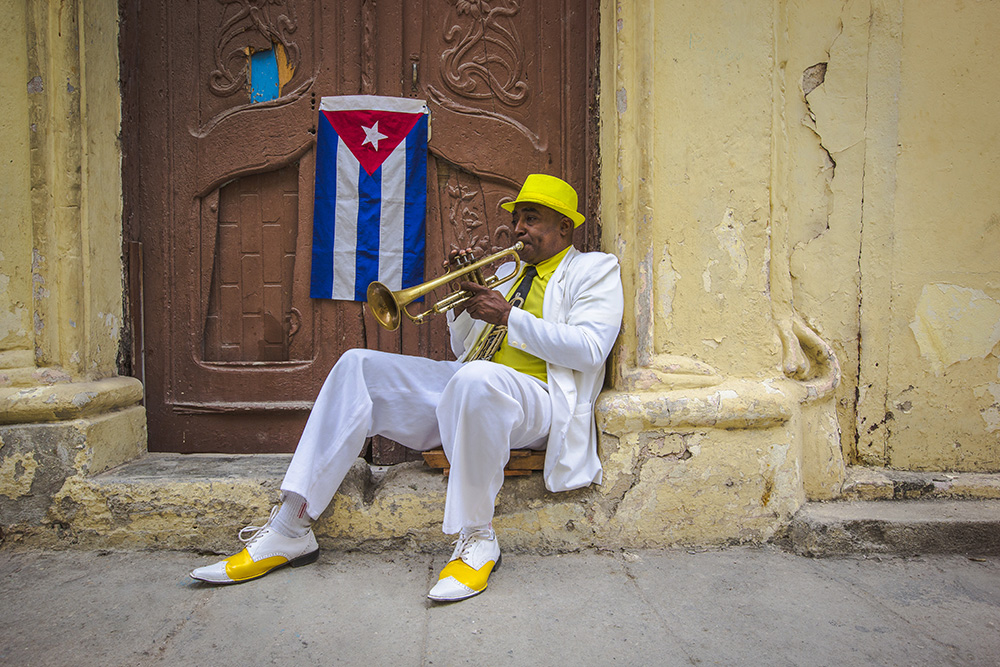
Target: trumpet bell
383	305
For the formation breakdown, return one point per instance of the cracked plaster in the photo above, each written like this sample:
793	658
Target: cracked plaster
17	472
952	324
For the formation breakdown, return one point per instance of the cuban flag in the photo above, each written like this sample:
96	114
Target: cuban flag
371	195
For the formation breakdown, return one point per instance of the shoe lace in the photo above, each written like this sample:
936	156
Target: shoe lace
257	530
465	541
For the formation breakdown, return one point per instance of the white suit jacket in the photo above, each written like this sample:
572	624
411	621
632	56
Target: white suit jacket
581	317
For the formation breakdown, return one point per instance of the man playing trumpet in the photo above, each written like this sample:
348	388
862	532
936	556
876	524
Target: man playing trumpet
536	391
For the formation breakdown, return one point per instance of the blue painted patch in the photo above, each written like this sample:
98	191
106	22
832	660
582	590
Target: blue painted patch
263	77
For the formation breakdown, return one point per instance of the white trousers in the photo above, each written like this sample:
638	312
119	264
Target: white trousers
477	411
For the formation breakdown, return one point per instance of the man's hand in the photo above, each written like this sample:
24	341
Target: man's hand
456	260
486	304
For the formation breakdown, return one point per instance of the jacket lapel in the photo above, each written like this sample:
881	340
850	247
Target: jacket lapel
556	289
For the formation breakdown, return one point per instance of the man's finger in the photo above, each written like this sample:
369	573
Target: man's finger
475	288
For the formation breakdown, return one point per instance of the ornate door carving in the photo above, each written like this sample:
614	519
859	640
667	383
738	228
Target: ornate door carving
220	173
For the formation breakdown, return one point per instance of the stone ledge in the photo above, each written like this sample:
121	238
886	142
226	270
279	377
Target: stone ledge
66	401
884	484
165	468
200	501
733	404
38	459
693	467
901	528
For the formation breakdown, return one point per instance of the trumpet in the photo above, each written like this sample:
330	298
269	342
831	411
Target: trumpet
387	305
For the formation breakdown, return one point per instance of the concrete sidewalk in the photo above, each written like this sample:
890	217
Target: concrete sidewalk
739	606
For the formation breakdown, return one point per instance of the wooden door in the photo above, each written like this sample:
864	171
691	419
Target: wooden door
219	171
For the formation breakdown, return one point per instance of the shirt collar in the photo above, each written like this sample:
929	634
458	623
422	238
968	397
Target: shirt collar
547	267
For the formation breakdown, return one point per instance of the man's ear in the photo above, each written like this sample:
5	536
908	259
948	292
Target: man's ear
566	227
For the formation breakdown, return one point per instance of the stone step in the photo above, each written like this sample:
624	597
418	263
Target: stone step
160	500
200	501
884	484
904	527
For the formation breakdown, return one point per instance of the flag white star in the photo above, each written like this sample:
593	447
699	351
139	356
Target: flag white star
373	136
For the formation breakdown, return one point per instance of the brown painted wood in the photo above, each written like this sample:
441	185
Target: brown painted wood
522	462
219	191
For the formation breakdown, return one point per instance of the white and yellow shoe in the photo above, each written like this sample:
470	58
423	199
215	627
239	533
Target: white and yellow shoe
476	555
266	551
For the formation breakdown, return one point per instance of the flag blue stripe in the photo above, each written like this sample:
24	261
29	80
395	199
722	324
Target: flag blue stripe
414	233
369	214
324	211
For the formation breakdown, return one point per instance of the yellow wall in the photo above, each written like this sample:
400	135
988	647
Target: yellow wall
101	203
686	141
61	267
711	173
887	184
944	382
64	413
776	172
819	161
16	340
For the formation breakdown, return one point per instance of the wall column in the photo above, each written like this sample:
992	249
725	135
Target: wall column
704	437
64	411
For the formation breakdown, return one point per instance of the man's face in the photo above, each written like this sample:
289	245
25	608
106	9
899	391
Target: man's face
543	231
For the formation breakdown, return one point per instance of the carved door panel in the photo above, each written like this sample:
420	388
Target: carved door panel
220	181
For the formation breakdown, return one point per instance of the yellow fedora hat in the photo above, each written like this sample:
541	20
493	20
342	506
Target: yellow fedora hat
549	191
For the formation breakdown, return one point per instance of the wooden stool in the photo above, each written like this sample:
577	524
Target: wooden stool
522	461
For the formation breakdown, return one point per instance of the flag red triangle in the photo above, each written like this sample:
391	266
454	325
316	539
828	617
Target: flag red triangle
351	127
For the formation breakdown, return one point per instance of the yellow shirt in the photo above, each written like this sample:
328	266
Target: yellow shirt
513	357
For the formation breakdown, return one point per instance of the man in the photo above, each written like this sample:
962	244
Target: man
537	391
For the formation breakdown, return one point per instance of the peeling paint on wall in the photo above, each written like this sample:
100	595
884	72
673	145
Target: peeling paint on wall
267	73
13	317
666	278
17	472
729	235
644	310
110	320
826	121
989	398
954	323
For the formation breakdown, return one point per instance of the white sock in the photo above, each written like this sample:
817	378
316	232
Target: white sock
291	519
